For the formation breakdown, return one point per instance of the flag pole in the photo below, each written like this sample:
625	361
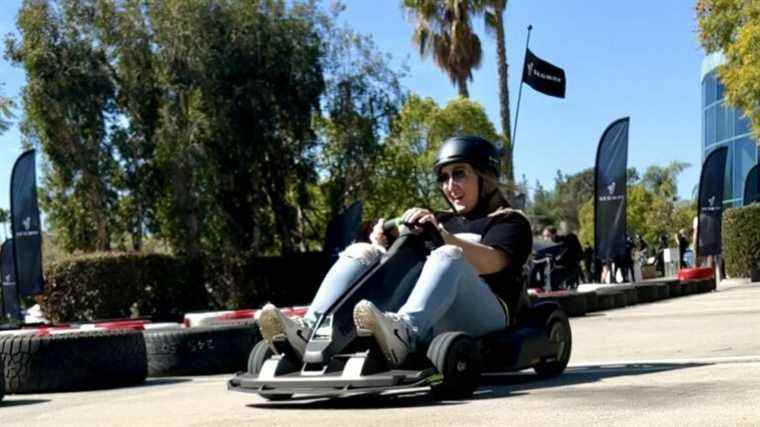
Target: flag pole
519	92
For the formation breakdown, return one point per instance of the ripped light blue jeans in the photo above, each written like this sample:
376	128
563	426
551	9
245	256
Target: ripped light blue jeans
448	296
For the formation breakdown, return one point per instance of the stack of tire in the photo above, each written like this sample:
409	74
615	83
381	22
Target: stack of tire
67	359
124	353
2	382
202	350
206	343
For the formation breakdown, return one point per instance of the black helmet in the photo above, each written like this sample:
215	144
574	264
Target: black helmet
476	151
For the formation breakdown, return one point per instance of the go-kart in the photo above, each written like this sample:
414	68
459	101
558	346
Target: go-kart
338	362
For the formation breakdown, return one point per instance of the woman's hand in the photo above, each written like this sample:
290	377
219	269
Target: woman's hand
377	237
419	216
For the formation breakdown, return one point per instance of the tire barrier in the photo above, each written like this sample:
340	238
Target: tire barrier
647	292
49	360
229	316
200	350
695	273
574	303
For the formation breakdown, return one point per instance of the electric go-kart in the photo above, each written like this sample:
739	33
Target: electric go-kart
337	362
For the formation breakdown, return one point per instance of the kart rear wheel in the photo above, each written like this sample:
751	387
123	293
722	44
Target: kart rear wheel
260	353
457	358
558	331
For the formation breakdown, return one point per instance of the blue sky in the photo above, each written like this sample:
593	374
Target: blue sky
639	59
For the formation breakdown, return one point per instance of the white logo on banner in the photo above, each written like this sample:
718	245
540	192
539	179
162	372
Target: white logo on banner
712	208
540	75
27	224
611	197
8	281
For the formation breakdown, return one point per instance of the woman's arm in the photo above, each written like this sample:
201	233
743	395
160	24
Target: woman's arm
484	258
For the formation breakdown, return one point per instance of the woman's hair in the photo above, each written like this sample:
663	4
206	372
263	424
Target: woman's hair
495	194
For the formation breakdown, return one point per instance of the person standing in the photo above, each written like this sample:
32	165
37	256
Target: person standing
683	245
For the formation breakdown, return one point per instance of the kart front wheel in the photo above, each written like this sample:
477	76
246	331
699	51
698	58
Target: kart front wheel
457	358
260	353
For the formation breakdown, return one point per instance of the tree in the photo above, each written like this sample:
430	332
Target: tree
443	29
404	177
362	97
663	181
6	112
123	26
733	27
243	82
5	217
68	104
494	19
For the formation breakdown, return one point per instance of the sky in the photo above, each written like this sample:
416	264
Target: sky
639	59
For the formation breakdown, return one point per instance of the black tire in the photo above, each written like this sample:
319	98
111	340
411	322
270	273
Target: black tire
557	330
260	353
457	358
76	361
647	292
200	350
2	381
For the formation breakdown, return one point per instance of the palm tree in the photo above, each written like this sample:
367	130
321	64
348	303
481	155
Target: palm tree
443	29
494	19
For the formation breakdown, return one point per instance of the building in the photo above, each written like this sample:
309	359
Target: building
725	126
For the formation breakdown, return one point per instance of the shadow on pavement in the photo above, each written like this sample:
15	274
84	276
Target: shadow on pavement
20	402
151	382
492	386
414	398
507	384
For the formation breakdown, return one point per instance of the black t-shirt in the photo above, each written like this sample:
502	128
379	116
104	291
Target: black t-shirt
509	232
573	252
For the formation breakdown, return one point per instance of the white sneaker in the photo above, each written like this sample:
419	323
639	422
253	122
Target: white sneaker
277	327
393	334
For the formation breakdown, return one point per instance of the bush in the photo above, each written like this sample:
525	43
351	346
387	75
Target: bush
285	280
118	285
741	240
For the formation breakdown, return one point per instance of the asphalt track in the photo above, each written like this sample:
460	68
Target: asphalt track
687	361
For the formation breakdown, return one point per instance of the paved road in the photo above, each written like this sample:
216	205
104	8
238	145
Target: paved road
687	361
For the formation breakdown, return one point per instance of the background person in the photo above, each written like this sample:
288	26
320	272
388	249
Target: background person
683	245
566	272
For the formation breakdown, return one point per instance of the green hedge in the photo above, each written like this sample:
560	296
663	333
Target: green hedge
164	287
741	240
284	280
116	285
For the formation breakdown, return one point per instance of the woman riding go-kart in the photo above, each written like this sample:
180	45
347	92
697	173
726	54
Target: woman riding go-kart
450	286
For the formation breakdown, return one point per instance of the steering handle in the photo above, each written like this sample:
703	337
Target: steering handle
428	229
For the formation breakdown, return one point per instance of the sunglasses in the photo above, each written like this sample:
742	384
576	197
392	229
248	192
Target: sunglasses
458	175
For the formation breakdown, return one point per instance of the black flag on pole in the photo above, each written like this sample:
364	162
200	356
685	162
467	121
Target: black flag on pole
11	307
711	203
543	76
752	186
25	226
610	191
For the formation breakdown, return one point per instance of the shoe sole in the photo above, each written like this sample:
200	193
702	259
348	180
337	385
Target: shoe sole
366	325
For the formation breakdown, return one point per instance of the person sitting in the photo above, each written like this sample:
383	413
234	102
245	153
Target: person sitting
470	284
566	272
